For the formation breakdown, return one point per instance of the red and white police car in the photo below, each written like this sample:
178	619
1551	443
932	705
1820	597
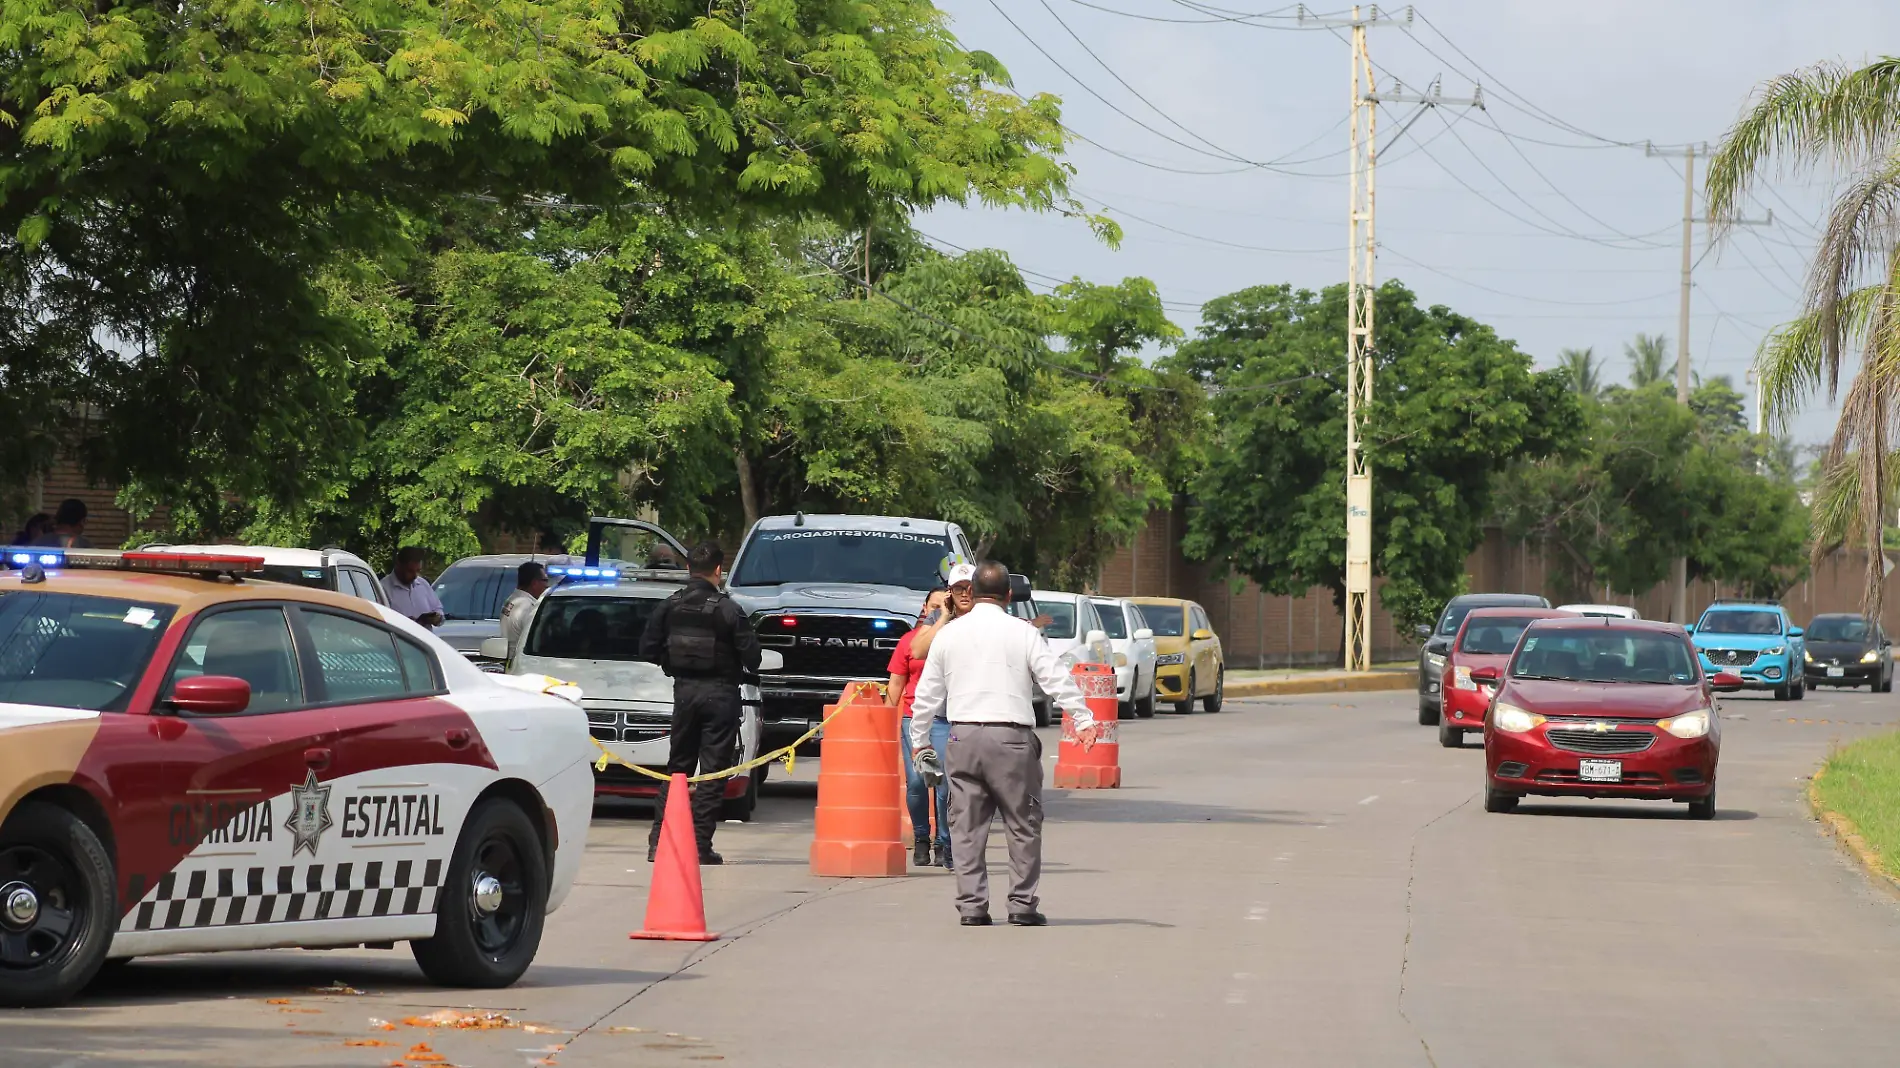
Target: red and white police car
191	759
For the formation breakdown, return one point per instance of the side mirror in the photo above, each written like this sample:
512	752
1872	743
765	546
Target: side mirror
1095	637
1202	635
1422	631
1019	589
1144	635
771	660
495	648
211	695
1487	676
1725	682
1795	632
1688	628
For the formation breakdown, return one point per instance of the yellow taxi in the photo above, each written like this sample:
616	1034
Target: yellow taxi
1188	661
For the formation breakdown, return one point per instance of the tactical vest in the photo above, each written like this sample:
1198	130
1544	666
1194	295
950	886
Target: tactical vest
693	645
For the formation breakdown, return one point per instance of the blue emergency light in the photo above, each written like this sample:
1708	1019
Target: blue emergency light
562	571
880	624
18	556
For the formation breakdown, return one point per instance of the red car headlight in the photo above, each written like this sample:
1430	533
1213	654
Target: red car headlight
1513	720
1688	725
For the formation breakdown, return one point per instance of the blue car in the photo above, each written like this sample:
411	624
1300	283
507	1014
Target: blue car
1756	640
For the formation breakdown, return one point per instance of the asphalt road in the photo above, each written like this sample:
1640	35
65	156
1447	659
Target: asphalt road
1300	881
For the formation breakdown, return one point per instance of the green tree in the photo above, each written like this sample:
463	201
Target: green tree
1649	360
177	182
1581	368
1846	119
1454	405
1651	481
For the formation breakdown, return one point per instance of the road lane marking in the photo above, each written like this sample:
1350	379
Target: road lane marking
1370	800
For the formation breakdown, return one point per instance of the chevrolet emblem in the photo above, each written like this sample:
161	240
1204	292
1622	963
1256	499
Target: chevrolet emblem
1600	728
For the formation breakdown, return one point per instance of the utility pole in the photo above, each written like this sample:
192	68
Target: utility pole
1679	571
1361	257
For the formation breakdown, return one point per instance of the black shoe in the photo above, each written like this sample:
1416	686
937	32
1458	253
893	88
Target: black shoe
1028	919
943	856
920	853
653	852
975	919
708	858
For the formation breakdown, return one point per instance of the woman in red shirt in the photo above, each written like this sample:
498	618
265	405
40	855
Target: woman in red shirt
907	666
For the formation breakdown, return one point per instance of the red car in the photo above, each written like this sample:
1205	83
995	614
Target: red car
1592	707
1485	640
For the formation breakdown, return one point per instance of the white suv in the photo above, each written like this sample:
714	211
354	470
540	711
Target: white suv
320	569
1134	652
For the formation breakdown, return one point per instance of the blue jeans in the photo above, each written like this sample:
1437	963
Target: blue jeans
917	795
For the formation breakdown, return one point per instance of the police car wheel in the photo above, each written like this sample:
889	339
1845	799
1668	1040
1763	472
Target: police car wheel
490	910
56	897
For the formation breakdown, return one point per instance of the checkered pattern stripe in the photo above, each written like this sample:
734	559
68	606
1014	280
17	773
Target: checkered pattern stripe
226	896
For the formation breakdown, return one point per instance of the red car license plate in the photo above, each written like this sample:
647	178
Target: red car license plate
1600	770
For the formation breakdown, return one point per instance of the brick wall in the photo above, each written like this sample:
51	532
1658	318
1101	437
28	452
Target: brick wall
107	525
1264	630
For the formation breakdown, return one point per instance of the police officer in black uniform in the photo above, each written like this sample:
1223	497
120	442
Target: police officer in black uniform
703	640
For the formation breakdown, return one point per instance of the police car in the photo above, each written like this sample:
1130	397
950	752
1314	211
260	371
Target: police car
586	630
192	759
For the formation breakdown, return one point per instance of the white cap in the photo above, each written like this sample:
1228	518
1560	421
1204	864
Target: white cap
961	573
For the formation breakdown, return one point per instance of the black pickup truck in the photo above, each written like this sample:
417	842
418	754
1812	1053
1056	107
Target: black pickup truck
831	593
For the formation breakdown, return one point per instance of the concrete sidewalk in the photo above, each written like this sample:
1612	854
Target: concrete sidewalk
1285	683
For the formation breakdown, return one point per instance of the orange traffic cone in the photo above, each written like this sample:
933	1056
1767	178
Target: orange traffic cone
857	827
676	907
1098	767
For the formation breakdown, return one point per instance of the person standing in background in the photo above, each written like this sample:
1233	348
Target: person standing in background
69	527
410	594
907	668
37	525
981	675
531	581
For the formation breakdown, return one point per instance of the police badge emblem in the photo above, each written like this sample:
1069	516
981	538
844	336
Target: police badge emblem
309	815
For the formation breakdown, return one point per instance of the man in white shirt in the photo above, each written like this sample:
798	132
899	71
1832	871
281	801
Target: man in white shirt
981	675
531	581
409	593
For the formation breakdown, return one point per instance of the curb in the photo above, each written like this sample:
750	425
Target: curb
1841	829
1381	681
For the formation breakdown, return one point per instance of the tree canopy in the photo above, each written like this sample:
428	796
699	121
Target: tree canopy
1453	405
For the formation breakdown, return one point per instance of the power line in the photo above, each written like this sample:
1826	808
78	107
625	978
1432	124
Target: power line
1189	22
1585	212
1223	154
1389	250
1325	250
1152	106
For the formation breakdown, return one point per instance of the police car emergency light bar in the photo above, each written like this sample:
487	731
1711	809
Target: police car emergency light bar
17	557
567	571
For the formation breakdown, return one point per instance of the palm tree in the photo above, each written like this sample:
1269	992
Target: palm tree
1847	119
1581	367
1649	359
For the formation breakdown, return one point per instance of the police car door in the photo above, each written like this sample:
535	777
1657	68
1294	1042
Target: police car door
220	816
404	769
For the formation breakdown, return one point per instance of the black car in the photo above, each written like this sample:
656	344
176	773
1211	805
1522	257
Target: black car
1845	649
1431	656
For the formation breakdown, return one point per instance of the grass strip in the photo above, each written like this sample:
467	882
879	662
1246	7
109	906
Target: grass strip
1861	782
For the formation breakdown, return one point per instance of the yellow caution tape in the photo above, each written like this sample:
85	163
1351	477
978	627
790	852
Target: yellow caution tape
608	756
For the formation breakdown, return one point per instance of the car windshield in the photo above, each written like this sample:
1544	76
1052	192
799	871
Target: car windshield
1061	618
1493	636
1113	624
1456	612
475	591
886	557
591	628
296	576
1166	620
1839	629
70	651
1609	654
1740	621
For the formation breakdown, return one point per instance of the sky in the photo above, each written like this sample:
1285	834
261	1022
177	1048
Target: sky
1518	214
